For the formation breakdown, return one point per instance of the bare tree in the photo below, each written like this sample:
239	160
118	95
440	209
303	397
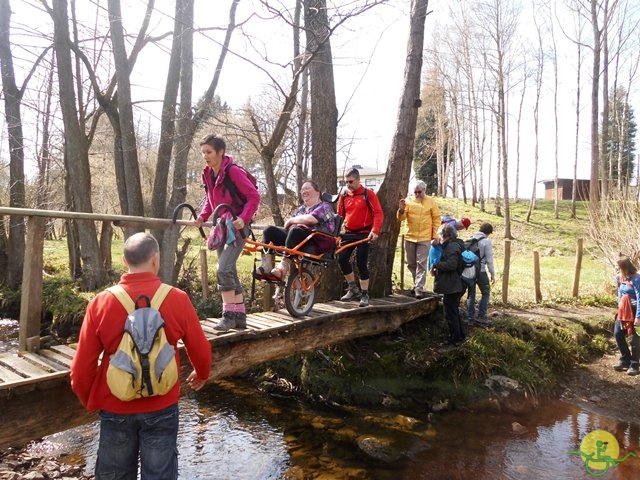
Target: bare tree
536	118
76	151
324	113
396	179
12	108
128	145
500	17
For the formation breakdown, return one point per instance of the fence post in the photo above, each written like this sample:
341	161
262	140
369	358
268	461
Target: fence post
576	275
402	262
31	299
505	271
536	276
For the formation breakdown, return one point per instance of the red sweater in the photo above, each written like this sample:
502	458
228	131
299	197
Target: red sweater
102	330
360	217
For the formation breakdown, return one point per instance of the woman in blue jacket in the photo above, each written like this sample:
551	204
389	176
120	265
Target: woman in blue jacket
627	318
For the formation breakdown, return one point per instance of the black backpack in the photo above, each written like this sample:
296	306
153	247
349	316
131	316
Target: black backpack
238	199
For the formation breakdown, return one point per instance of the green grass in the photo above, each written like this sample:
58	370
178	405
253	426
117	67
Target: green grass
556	242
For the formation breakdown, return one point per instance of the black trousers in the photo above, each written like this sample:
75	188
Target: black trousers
451	303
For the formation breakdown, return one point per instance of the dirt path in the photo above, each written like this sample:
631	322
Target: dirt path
595	385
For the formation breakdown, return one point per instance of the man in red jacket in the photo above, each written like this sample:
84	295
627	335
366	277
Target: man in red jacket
145	427
362	213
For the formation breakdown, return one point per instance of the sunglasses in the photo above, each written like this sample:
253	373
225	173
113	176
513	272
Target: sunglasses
417	191
350	181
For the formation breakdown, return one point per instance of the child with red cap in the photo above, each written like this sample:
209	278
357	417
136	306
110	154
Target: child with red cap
462	224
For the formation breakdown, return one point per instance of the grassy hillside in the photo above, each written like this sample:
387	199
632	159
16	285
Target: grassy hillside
556	242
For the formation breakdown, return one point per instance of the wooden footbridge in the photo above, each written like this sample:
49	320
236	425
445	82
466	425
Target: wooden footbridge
36	379
268	336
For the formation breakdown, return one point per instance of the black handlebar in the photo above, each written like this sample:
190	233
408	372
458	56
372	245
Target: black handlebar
176	212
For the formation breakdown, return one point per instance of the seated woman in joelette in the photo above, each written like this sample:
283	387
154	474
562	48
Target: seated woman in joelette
313	215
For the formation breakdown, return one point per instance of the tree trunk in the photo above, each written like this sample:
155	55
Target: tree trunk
324	113
594	184
187	126
76	152
396	179
13	118
128	144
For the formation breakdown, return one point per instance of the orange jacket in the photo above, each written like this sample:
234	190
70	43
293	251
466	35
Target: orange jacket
361	215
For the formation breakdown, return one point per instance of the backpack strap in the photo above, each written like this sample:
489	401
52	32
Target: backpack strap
237	198
124	298
160	295
129	305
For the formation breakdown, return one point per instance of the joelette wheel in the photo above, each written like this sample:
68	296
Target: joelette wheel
300	293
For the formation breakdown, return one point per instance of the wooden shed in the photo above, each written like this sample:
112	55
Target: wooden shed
565	187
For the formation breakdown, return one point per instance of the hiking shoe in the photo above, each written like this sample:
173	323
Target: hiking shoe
352	294
226	323
241	320
364	300
633	370
621	366
420	295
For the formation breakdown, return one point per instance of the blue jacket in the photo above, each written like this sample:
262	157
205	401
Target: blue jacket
632	290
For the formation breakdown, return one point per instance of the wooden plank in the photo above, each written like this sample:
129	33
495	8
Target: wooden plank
8	376
43	362
262	324
22	366
284	316
272	318
56	357
328	308
64	350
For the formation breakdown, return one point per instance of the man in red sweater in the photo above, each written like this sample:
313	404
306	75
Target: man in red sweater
362	213
146	427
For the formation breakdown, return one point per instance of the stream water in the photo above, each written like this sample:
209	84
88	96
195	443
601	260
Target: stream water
229	431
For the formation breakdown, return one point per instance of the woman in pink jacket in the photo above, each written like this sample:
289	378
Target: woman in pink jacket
218	190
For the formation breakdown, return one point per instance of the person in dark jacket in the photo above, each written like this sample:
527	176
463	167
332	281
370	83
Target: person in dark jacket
448	282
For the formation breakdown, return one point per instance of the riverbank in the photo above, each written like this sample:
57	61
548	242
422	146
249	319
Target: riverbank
590	383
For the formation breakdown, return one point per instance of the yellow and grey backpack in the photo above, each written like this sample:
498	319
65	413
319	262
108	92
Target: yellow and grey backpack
144	364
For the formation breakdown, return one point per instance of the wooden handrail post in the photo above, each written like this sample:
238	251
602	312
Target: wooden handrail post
576	275
402	262
204	274
31	298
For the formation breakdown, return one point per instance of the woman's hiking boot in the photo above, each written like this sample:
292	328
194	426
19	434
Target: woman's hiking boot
231	320
353	293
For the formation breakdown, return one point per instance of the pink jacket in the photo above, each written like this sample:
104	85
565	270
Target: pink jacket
217	192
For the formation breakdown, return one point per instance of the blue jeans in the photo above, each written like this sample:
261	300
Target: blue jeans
626	356
482	281
152	435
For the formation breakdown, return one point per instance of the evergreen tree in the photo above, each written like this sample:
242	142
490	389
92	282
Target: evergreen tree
620	148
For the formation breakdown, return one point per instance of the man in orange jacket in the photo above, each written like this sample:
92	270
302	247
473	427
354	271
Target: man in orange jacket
362	213
147	427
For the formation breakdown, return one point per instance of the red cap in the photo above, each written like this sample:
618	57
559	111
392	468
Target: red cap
466	222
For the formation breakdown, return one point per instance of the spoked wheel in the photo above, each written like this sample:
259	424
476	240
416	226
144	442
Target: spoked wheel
300	292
